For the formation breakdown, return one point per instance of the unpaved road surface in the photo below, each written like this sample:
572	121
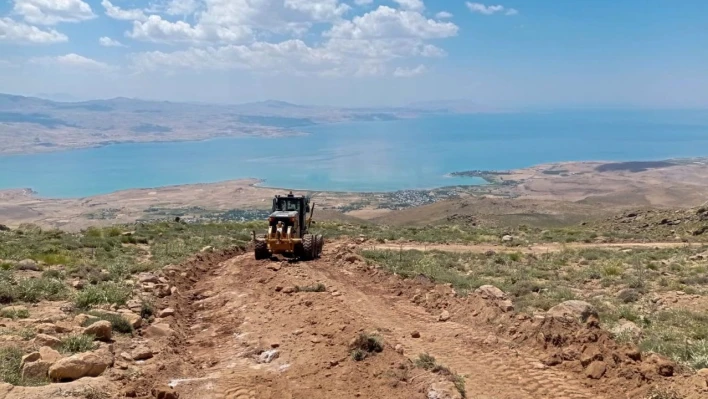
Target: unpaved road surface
536	248
231	310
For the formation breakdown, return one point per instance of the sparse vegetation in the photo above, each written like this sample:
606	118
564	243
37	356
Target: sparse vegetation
11	313
365	345
77	343
30	289
104	293
625	285
427	362
319	287
147	310
10	361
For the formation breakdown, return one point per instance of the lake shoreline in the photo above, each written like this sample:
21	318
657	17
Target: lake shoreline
488	179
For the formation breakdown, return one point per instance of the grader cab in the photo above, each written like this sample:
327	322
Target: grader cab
288	231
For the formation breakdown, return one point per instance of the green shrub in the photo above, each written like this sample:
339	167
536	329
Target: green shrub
425	361
55	274
77	343
15	313
10	365
366	344
118	322
147	309
37	289
104	293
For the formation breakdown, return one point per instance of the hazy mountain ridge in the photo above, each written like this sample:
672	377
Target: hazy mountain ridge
31	124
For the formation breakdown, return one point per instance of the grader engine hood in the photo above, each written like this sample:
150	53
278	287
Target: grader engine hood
283	215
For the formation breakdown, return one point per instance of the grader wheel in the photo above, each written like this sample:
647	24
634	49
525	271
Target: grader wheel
319	244
261	250
309	247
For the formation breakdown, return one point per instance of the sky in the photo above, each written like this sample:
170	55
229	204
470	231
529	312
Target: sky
512	53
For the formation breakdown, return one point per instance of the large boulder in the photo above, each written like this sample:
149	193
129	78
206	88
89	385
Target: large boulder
46	340
102	330
35	370
81	365
48	354
573	309
134	319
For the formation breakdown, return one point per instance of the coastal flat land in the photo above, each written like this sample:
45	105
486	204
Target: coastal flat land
554	194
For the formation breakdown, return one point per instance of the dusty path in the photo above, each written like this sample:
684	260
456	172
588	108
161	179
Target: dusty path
231	311
536	248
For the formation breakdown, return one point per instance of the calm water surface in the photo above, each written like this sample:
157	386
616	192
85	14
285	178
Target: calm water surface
369	156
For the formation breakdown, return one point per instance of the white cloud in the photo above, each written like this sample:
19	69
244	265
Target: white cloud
415	5
319	10
73	61
409	72
52	12
290	55
108	42
443	15
490	10
12	31
116	12
156	29
386	22
235	21
182	7
231	34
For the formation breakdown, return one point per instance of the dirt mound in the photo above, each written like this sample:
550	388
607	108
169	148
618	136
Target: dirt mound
248	329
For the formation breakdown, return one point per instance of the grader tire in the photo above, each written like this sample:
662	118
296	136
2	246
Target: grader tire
261	250
309	247
319	244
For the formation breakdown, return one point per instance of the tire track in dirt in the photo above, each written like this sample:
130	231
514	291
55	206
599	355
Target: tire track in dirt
491	369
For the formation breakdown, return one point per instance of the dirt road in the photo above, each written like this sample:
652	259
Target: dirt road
536	248
245	331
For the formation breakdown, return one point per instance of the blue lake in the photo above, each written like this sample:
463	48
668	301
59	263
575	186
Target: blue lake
369	156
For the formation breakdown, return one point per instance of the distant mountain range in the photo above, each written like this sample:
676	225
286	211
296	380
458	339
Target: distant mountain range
31	124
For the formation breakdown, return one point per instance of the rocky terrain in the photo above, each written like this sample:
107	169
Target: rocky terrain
153	312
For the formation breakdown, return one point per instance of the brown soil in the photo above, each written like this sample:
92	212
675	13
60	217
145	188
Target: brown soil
230	308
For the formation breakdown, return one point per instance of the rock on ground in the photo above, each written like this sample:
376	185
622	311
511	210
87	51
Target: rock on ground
573	309
77	366
134	319
158	330
36	370
46	340
490	292
142	352
102	330
49	355
28	264
443	390
628	328
596	370
268	356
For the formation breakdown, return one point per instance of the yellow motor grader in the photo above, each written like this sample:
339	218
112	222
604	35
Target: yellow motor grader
288	231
